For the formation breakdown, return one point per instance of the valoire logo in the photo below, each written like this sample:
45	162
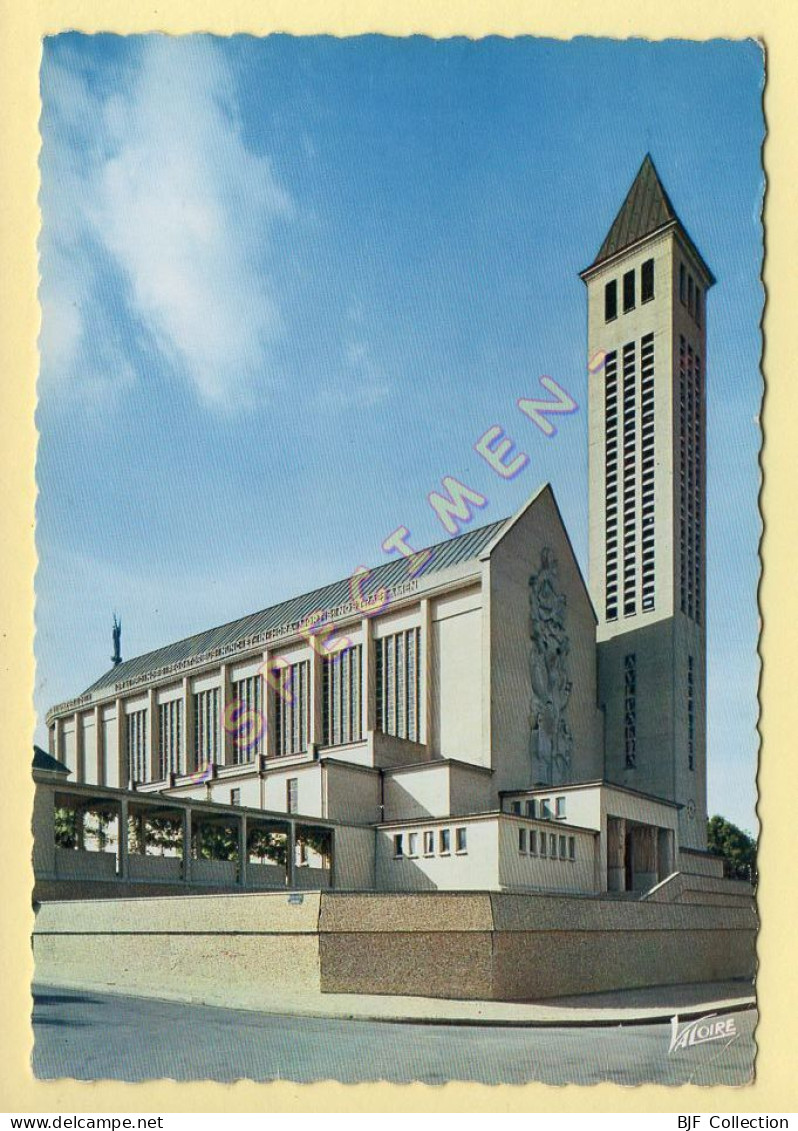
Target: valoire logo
709	1028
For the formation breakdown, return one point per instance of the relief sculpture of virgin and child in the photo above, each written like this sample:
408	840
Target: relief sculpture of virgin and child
551	741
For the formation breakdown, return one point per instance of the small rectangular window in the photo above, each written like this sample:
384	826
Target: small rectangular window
559	807
530	808
611	301
562	847
398	845
460	840
698	305
292	795
690	305
647	281
552	845
235	796
628	291
444	842
542	841
429	844
522	840
572	848
533	843
412	844
545	808
682	284
515	807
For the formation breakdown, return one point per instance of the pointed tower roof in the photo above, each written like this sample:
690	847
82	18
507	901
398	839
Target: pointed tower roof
647	209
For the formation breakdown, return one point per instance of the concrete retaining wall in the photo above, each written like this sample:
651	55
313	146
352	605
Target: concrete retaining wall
449	945
504	947
699	863
186	947
707	890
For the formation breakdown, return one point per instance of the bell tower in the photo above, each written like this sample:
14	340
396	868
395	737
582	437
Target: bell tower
647	307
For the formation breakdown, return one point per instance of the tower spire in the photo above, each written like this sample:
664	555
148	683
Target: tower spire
647	209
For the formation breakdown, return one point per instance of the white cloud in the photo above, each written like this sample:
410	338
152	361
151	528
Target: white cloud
361	383
158	184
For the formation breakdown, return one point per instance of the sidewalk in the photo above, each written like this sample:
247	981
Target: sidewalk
624	1007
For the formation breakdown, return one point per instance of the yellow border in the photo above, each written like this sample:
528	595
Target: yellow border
22	24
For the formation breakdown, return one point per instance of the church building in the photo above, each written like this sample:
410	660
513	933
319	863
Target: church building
480	716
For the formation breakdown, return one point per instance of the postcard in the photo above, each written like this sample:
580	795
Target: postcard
398	539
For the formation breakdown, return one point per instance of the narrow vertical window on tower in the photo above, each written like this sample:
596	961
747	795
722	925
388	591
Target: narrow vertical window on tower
682	284
206	727
611	484
628	291
137	746
170	746
611	300
647	466
683	472
698	300
690	713
630	709
690	482
698	486
647	281
629	480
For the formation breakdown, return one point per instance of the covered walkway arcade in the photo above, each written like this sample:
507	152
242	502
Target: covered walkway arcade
85	833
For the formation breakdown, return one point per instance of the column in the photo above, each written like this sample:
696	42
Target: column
616	854
123	861
121	745
152	735
368	690
644	857
665	861
425	662
187	845
188	727
267	696
229	728
316	713
290	857
80	769
242	851
99	738
43	832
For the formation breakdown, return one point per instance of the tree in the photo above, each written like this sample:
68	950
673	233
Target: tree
268	845
66	828
213	841
74	826
737	848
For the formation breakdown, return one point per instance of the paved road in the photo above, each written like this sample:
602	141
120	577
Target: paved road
93	1036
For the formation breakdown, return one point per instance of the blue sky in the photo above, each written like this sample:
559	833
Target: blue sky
288	283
